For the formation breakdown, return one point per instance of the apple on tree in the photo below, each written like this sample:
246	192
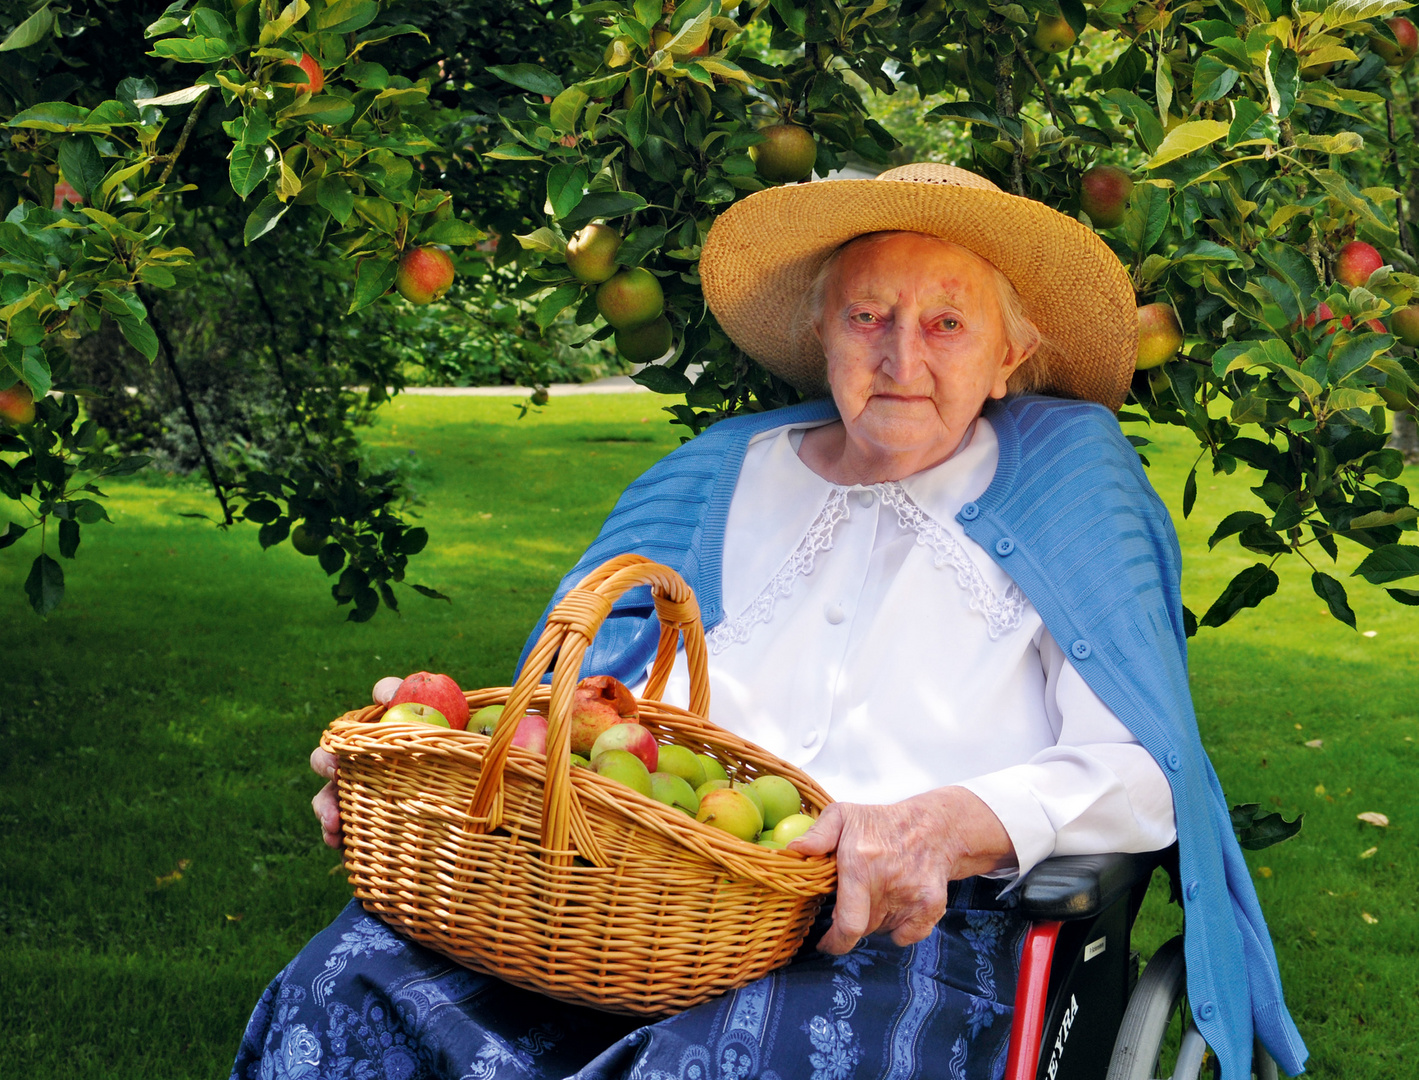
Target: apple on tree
786	155
424	274
438	692
314	73
1103	195
17	405
1405	324
630	299
1355	262
1159	335
591	254
1053	34
1403	48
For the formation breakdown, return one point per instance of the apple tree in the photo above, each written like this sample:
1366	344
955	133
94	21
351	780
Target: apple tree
1261	150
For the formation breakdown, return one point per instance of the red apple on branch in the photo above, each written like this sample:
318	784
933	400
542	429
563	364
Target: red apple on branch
424	274
314	73
1103	195
17	405
1355	263
1399	52
437	691
1159	335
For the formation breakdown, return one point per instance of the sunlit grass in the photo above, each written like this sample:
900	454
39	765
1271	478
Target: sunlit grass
166	711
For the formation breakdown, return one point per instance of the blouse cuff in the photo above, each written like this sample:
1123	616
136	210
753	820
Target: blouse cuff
1010	798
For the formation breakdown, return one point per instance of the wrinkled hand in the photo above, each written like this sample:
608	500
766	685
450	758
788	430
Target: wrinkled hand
895	861
326	803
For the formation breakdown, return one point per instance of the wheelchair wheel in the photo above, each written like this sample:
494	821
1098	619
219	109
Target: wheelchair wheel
1157	1038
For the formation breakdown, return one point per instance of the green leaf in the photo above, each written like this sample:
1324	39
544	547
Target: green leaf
50	116
194	50
639	244
530	77
1212	79
638	120
1247	589
30	32
1189	492
554	303
278	27
1355	354
263	219
45	585
343	16
331	558
1256	830
68	539
1393	562
453	232
139	334
413	541
273	533
334	194
177	97
373	279
566	184
1252	123
647	12
1187	139
566	107
249	167
662	380
543	240
604	204
80	164
11	532
512	152
262	511
328	109
975	113
1141	114
1147	216
1333	593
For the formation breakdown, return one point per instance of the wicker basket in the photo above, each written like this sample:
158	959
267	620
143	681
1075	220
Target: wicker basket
552	877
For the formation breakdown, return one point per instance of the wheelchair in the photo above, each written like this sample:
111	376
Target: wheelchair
1082	1010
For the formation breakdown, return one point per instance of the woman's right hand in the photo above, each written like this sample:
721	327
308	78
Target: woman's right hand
326	803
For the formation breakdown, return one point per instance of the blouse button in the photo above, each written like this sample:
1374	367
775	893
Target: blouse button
1081	649
834	613
1004	546
865	498
970	511
810	738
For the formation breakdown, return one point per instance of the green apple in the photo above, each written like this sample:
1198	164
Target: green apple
672	790
710	785
486	719
779	798
792	827
771	843
623	767
732	811
754	797
580	762
713	769
681	762
413	712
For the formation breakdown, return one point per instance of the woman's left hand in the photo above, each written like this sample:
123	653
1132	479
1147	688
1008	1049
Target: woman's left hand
895	861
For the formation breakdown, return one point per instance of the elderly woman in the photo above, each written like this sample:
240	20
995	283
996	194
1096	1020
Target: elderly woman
950	599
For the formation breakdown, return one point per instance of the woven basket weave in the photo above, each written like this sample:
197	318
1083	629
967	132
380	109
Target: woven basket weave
554	878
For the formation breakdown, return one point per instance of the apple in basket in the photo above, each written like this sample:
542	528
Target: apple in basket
413	712
638	740
599	702
436	691
531	733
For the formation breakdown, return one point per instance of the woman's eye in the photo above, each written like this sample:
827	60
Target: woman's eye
950	323
865	317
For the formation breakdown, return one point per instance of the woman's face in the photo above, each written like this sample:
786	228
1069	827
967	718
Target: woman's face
915	343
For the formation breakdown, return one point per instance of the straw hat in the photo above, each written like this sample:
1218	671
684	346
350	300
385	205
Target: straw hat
763	253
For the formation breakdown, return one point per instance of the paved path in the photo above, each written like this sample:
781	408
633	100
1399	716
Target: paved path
615	384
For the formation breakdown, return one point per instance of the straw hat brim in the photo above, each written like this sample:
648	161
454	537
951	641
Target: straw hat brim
762	255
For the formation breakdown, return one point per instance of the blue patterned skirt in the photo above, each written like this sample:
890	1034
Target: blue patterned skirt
362	1003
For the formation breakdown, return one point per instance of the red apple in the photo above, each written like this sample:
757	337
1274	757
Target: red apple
413	712
1405	324
531	733
599	702
1356	262
314	73
437	691
424	274
1159	335
17	405
1103	195
1324	314
631	737
1407	37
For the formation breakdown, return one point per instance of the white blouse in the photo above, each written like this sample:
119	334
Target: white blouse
873	644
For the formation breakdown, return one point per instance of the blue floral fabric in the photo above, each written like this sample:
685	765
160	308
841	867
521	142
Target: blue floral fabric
361	1002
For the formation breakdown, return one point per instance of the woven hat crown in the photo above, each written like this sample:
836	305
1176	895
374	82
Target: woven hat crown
763	254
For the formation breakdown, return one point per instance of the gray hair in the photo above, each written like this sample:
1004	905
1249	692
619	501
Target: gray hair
1020	330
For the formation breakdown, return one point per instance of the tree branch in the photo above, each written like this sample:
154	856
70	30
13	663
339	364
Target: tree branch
182	138
1005	104
170	358
1044	89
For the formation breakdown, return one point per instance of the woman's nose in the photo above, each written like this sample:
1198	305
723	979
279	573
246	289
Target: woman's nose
904	359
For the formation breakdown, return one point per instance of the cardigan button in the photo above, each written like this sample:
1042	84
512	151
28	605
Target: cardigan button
1208	1011
1174	761
1004	546
1192	888
970	511
1081	649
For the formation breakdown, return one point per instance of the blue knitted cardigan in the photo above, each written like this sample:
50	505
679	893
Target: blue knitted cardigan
1071	517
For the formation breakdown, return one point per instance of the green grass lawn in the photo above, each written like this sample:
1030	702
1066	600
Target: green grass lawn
160	862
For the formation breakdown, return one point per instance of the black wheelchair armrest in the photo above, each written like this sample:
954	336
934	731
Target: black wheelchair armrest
1082	886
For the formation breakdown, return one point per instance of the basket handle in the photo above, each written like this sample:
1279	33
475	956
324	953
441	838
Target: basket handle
567	635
